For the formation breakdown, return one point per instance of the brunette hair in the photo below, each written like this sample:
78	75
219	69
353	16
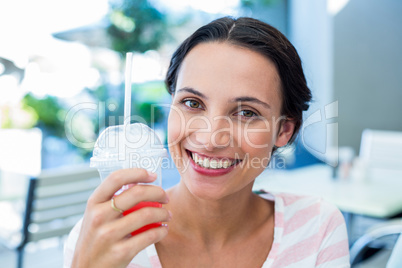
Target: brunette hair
264	39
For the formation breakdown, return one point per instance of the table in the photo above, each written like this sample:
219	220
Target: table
374	197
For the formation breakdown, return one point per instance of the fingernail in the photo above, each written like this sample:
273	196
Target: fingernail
151	174
128	186
170	214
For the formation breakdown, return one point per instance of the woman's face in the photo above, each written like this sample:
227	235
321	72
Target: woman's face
225	119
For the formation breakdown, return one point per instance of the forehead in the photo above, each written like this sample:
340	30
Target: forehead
223	68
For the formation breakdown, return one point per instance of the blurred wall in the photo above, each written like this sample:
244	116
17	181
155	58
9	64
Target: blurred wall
311	32
274	12
368	67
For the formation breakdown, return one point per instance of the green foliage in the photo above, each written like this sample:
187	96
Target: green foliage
150	112
22	117
147	99
153	91
49	112
136	26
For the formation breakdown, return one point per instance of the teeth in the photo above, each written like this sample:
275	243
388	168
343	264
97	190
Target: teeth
225	163
211	163
220	164
206	163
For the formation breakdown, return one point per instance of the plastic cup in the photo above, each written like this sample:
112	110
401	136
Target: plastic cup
129	146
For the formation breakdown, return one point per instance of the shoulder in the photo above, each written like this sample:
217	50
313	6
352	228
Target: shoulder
310	228
296	207
310	210
306	218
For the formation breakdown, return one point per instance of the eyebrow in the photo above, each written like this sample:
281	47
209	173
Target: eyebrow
193	91
238	99
251	99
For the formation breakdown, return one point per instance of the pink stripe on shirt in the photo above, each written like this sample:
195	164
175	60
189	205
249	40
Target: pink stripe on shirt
155	261
301	217
298	252
279	221
133	265
290	199
333	252
274	251
331	223
309	246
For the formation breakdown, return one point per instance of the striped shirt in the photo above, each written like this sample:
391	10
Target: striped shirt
308	232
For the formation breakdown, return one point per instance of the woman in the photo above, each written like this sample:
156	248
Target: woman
238	93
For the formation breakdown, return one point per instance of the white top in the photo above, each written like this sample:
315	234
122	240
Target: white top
309	232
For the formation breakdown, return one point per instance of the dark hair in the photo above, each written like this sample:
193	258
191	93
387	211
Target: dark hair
264	39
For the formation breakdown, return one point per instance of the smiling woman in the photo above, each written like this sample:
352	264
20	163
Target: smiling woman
238	92
232	90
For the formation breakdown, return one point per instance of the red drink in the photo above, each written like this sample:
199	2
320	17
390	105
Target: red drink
139	206
130	146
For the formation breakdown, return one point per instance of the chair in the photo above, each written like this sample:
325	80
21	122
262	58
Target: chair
381	151
395	260
55	200
377	237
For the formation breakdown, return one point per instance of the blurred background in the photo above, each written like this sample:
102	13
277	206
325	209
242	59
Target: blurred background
62	75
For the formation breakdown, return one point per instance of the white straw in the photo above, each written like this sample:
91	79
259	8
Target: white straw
127	95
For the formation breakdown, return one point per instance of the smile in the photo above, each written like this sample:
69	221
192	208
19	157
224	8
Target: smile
212	163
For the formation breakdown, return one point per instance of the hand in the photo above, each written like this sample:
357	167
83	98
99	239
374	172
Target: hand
105	239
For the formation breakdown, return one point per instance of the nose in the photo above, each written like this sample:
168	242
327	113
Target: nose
217	134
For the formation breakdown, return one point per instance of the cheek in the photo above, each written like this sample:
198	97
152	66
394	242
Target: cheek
258	137
258	144
176	126
181	125
257	140
175	136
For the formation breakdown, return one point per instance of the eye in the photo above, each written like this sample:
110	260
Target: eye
192	104
247	114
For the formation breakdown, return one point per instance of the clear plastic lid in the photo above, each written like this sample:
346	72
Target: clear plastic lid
126	146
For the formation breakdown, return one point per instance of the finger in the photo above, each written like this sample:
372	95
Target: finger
129	199
135	220
143	240
117	180
140	193
130	247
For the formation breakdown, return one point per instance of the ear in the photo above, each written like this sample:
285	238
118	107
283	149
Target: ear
285	133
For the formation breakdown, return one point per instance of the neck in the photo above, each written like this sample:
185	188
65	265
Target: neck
215	222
